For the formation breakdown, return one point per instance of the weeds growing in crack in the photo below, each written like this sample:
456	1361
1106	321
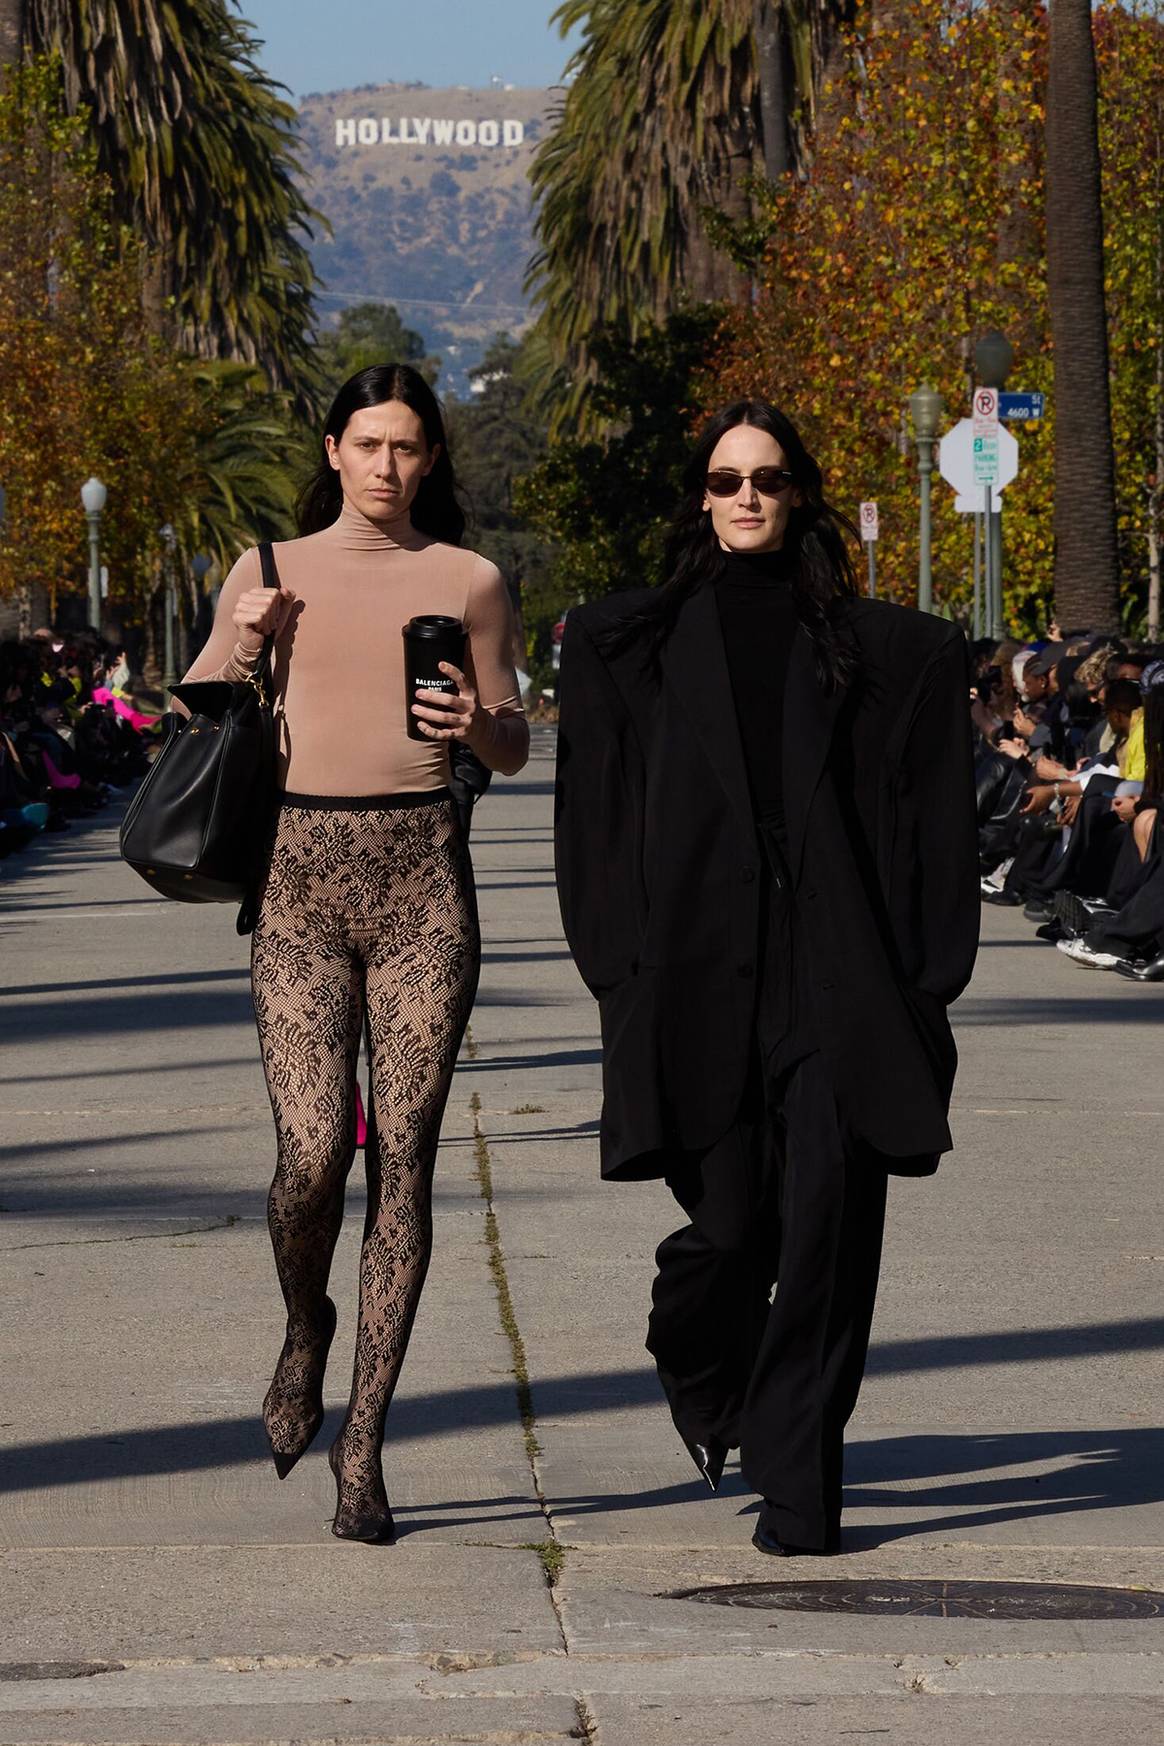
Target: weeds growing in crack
550	1552
587	1722
501	1285
553	1556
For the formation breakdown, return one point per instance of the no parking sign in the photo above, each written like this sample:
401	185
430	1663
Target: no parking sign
867	519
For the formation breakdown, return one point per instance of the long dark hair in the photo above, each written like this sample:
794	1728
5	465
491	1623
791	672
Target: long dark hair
435	509
1154	742
820	569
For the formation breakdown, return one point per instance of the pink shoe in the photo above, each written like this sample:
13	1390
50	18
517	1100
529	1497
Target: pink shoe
361	1121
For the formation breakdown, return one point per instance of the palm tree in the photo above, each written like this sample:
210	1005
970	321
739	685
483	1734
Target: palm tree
772	68
250	458
659	113
795	40
671	109
200	150
11	31
1086	571
233	484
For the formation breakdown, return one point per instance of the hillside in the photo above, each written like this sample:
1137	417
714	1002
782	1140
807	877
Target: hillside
428	197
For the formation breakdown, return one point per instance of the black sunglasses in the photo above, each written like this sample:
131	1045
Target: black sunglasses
769	481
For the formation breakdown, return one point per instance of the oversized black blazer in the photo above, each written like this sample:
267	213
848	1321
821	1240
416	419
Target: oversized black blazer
658	871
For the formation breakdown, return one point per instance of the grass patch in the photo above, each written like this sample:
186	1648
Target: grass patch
529	1109
552	1555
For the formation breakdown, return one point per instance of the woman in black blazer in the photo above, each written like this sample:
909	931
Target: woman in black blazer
767	867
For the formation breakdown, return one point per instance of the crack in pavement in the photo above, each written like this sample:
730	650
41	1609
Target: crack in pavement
740	1676
551	1552
128	1109
226	1224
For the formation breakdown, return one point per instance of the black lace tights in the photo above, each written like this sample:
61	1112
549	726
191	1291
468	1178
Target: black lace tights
368	917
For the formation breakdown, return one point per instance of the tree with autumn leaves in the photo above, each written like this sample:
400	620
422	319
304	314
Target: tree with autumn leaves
198	145
83	387
1130	55
912	216
920	224
162	303
86	386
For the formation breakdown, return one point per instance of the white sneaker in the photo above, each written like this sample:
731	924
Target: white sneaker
1082	954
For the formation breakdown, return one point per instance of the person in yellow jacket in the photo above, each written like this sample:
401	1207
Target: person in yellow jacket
1132	757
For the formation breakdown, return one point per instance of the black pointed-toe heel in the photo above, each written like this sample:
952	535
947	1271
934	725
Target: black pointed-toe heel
284	1463
709	1458
285	1460
371	1522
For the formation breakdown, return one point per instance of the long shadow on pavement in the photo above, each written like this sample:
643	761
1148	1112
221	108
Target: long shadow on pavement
198	1445
1096	1470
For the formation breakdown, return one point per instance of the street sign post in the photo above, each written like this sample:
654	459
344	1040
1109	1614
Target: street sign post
1022	408
984	440
869	530
987	473
980	458
956	465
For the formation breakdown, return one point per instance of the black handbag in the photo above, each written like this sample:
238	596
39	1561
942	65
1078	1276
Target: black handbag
468	780
196	830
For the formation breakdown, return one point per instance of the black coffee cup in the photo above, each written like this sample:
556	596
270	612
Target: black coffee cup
427	642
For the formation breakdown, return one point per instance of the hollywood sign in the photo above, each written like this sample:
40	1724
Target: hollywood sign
427	130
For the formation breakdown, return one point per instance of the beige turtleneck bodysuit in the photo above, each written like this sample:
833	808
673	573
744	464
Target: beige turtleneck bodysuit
339	656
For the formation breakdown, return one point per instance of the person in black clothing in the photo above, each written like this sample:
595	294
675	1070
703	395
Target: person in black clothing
767	867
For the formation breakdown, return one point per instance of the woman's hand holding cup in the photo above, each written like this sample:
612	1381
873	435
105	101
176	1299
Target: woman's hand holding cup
448	715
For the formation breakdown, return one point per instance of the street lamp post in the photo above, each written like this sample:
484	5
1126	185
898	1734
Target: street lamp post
169	677
200	567
993	361
925	405
93	500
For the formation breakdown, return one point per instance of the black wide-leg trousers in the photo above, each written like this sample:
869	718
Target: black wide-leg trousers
788	1199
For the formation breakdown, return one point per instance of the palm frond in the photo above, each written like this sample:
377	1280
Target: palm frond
660	122
201	151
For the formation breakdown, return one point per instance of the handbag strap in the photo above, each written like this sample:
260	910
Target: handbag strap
248	910
270	580
267	560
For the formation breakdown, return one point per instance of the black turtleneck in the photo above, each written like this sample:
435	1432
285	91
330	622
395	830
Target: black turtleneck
757	615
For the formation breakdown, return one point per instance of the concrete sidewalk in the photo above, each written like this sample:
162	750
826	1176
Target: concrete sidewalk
160	1585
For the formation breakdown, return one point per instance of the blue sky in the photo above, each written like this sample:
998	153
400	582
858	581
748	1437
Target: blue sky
330	45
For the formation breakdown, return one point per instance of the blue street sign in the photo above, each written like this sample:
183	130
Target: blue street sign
1021	408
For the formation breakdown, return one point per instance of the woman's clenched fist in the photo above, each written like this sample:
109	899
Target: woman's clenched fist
259	613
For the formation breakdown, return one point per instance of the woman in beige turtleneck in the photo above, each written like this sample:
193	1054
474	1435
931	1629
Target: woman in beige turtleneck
367	916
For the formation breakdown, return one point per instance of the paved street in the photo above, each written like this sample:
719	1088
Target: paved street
160	1585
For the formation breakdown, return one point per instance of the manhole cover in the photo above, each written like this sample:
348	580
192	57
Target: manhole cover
938	1600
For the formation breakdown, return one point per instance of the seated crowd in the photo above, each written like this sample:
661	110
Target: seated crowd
1069	768
1069	765
69	732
